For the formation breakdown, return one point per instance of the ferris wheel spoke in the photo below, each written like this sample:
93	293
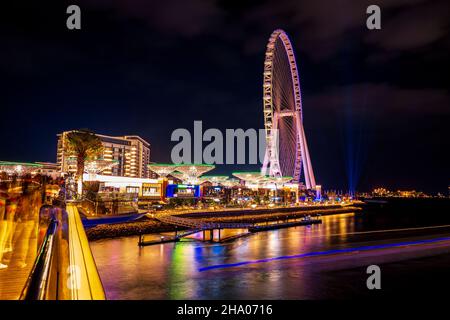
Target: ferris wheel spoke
283	113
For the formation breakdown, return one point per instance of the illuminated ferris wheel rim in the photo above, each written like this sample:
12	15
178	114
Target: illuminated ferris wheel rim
272	110
268	77
288	155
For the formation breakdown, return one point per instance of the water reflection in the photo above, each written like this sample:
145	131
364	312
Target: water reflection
171	270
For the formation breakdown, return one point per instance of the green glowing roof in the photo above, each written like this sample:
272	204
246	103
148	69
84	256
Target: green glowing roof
163	164
248	172
25	164
196	165
214	175
180	164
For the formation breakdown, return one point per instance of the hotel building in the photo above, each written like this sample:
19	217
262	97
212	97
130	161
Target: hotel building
48	169
132	154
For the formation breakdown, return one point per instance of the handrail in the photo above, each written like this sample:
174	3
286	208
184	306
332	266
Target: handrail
38	280
87	199
64	268
84	278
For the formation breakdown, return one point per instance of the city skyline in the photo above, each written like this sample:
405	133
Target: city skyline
375	108
232	157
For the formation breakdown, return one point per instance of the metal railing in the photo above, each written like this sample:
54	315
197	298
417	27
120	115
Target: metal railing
37	284
64	268
83	279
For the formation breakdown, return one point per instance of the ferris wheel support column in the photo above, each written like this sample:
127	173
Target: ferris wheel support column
282	98
274	168
308	163
310	181
265	163
271	164
308	167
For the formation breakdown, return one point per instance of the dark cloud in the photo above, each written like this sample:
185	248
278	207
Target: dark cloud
147	67
320	27
175	17
382	99
413	28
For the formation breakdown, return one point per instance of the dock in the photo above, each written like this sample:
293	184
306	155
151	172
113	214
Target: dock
267	227
195	226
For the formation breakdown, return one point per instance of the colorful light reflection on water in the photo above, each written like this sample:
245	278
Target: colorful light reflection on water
180	270
171	270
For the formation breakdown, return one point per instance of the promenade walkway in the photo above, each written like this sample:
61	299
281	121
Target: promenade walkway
19	222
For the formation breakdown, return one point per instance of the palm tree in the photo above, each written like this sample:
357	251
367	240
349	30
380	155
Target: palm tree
82	144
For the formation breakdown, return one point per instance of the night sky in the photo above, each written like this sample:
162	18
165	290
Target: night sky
376	104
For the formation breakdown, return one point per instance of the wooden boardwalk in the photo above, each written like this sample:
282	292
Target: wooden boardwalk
201	225
19	260
193	225
19	223
198	225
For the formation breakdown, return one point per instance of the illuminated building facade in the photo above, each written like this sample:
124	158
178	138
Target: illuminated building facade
131	153
33	168
49	169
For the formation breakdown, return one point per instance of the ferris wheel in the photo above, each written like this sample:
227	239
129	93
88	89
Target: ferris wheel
286	148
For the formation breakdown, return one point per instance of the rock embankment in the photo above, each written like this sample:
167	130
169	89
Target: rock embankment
148	225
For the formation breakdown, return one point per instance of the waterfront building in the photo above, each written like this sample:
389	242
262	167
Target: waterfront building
131	154
11	168
265	188
186	178
143	188
49	169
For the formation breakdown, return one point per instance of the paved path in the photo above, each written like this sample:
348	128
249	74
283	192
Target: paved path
18	245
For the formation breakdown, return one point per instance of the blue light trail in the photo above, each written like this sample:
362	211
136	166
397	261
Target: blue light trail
322	253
